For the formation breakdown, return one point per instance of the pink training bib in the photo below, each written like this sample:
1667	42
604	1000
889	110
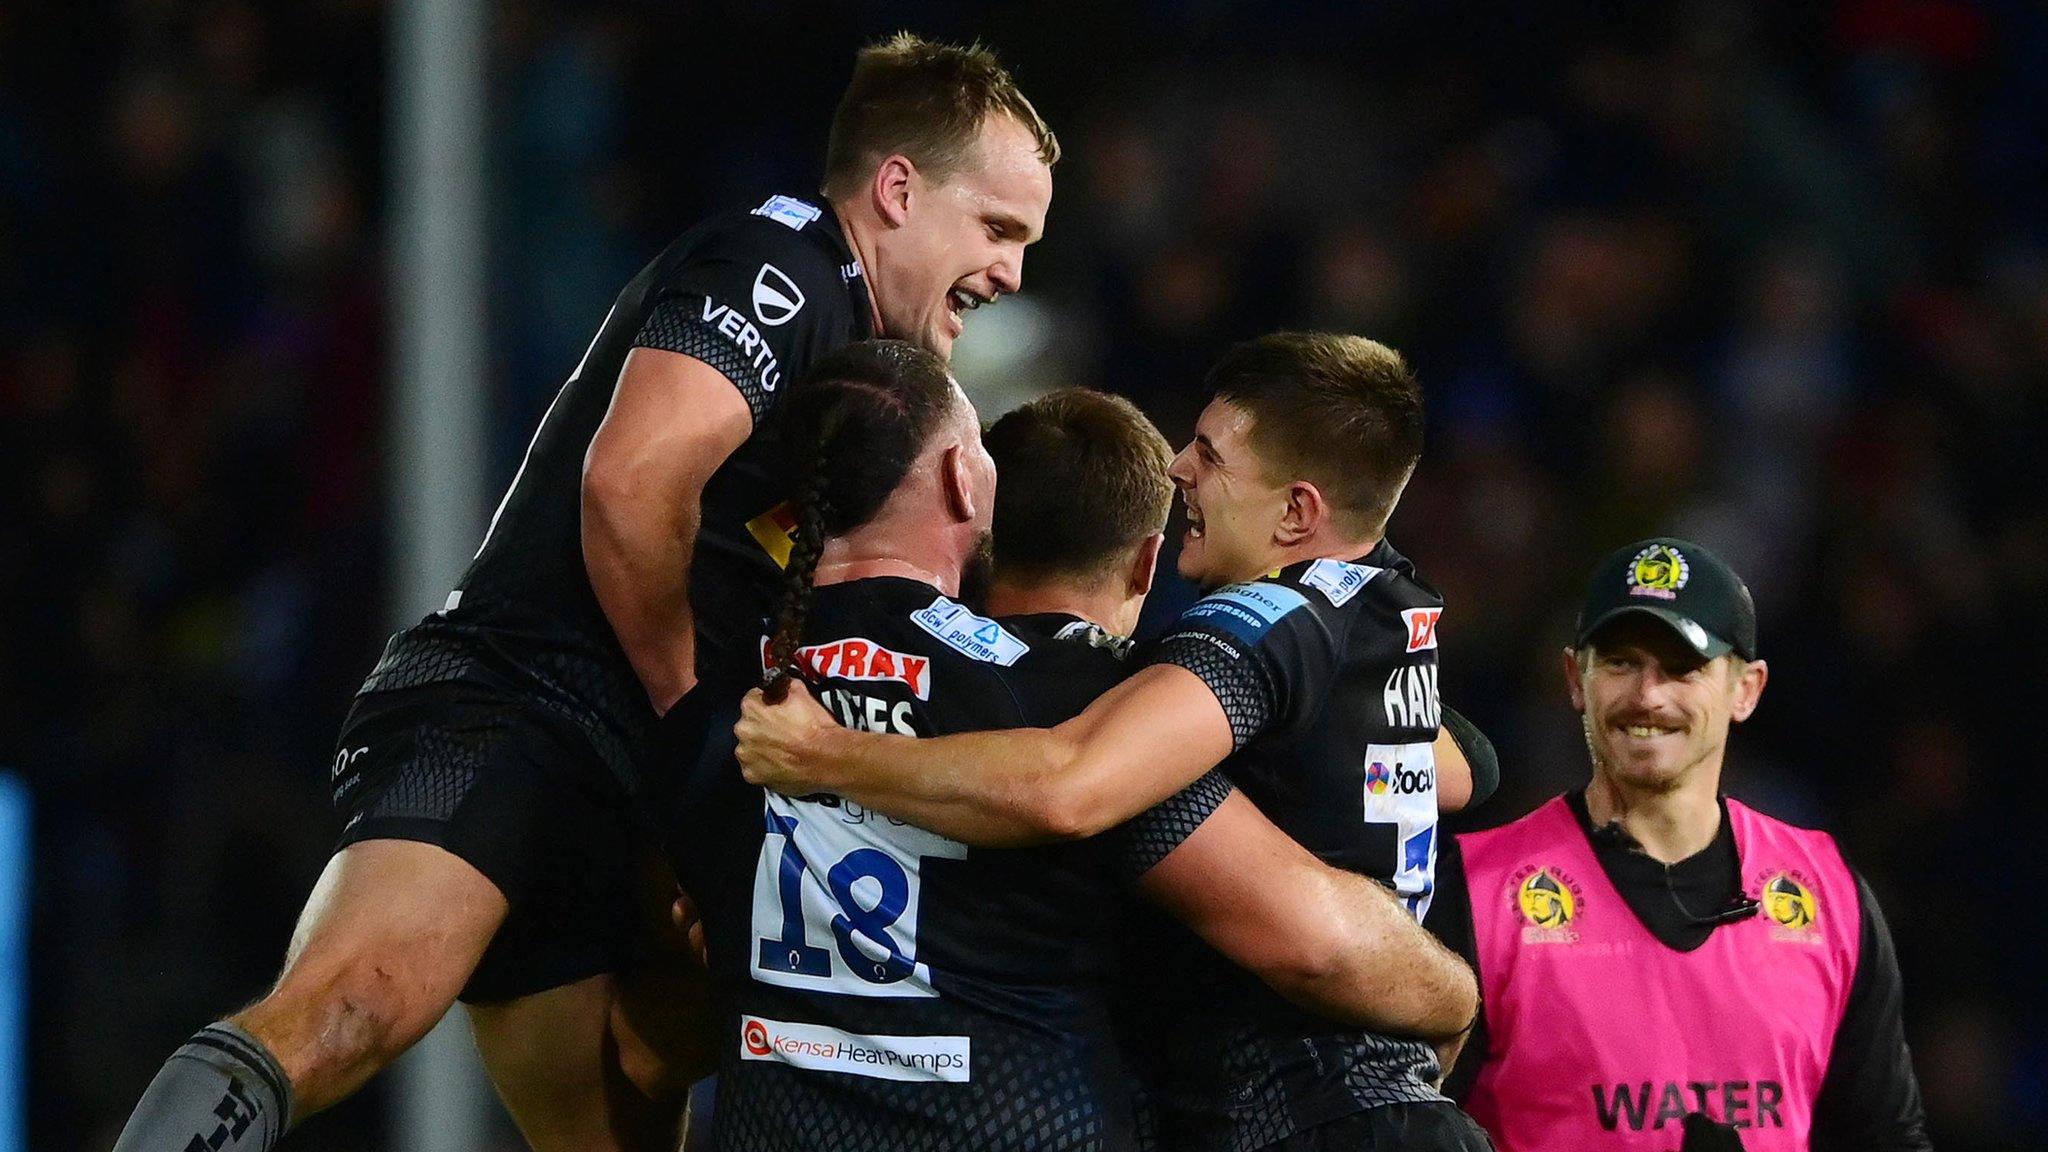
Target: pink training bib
1599	1036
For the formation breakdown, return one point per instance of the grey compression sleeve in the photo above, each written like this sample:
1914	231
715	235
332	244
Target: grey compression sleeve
221	1092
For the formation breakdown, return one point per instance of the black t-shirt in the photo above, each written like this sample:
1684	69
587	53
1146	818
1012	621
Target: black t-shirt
894	989
1869	1099
1327	672
757	295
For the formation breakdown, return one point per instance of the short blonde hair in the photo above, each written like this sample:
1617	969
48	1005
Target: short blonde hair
925	101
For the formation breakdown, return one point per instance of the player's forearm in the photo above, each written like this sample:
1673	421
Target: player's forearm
980	788
1387	972
638	560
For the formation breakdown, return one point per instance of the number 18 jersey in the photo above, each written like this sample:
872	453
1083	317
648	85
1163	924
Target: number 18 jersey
897	990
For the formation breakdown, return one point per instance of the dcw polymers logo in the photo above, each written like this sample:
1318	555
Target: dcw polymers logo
1793	911
1547	901
1658	571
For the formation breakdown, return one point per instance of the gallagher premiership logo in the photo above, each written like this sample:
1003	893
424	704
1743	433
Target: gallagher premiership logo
1548	901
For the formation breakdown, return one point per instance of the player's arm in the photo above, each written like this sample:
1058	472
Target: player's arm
1870	1098
1331	941
1467	767
673	420
1136	745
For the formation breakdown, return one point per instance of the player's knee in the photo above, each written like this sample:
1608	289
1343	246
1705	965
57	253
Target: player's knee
327	1020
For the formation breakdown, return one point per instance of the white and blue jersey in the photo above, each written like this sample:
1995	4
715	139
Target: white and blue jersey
892	989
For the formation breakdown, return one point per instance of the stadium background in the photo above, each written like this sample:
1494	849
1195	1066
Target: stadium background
1771	276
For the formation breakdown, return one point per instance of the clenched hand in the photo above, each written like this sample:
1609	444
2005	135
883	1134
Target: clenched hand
774	737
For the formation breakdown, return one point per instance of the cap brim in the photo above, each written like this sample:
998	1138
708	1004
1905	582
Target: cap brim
1689	630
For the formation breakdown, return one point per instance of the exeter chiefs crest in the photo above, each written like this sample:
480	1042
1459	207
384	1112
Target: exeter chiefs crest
1658	571
1793	911
1548	901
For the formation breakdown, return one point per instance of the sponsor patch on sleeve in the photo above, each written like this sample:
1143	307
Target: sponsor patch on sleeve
977	636
789	212
1246	611
1339	580
1421	627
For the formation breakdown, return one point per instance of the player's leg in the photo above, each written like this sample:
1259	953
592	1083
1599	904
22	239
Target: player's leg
600	1064
604	1062
387	939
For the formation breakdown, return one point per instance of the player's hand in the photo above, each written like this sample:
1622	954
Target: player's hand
1703	1135
774	737
690	922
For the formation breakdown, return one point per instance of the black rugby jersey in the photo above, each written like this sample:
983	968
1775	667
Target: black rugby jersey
894	989
1327	671
757	295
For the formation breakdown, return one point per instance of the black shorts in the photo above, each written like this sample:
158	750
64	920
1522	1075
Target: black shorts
520	795
1421	1127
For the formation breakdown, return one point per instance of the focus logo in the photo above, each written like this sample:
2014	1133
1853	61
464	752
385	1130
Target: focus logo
1382	778
755	1036
1378	778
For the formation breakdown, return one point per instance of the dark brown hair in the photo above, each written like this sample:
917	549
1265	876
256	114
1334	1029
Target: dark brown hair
854	424
1342	412
926	101
1083	482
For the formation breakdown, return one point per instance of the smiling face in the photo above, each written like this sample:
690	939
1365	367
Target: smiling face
960	244
1656	715
1232	507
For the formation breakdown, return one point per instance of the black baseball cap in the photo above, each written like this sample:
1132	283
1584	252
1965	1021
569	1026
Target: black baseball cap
1680	583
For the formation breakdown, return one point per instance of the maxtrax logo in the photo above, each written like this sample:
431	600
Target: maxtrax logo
942	1059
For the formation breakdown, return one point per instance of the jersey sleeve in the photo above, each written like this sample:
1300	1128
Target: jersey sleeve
758	303
1152	835
1870	1098
1260	647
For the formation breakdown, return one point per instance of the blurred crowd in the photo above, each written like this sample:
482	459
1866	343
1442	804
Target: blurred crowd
1771	277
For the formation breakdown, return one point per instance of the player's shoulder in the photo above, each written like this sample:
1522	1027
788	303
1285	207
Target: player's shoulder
1814	836
792	245
1370	598
1549	826
1251	609
1381	579
1071	662
1058	639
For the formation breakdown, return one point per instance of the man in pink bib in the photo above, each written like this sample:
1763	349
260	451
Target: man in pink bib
1663	967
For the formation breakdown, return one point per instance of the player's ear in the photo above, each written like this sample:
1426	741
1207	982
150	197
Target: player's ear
1574	679
892	188
1749	689
1144	564
1304	515
959	485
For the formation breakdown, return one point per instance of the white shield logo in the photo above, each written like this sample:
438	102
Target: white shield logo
776	297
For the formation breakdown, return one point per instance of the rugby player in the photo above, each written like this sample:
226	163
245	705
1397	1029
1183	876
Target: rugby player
489	770
1308	673
1654	954
896	989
